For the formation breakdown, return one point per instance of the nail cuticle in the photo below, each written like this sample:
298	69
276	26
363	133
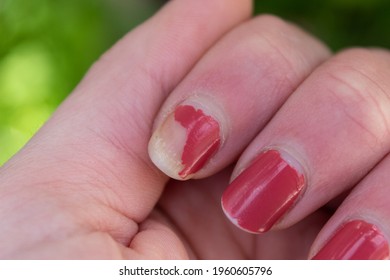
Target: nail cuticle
210	107
290	155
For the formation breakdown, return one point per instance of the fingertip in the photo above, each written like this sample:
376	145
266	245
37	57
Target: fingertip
183	145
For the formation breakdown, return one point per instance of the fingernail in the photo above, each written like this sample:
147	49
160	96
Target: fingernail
355	240
264	191
185	142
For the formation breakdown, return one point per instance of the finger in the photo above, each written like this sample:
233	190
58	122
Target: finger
325	138
360	228
230	95
94	149
191	209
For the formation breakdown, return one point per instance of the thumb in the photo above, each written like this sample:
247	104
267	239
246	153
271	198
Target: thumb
96	142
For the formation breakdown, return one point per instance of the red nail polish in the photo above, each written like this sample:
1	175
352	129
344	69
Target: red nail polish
355	240
263	192
203	138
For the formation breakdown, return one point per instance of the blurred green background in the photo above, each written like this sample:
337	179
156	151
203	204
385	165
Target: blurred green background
46	46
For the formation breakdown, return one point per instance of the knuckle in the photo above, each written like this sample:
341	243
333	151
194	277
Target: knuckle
355	83
372	63
260	43
278	46
260	36
272	21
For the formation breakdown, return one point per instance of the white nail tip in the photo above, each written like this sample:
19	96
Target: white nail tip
164	157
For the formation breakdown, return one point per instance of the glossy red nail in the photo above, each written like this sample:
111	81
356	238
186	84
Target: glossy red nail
203	138
355	240
263	192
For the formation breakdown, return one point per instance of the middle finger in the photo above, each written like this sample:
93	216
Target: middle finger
325	138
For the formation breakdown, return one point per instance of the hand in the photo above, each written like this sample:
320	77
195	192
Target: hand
212	87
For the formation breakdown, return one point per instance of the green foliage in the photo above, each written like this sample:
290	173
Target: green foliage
339	23
46	46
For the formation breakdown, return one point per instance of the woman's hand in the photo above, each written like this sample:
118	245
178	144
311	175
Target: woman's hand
193	89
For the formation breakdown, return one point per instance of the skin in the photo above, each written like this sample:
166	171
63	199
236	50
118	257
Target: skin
84	187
